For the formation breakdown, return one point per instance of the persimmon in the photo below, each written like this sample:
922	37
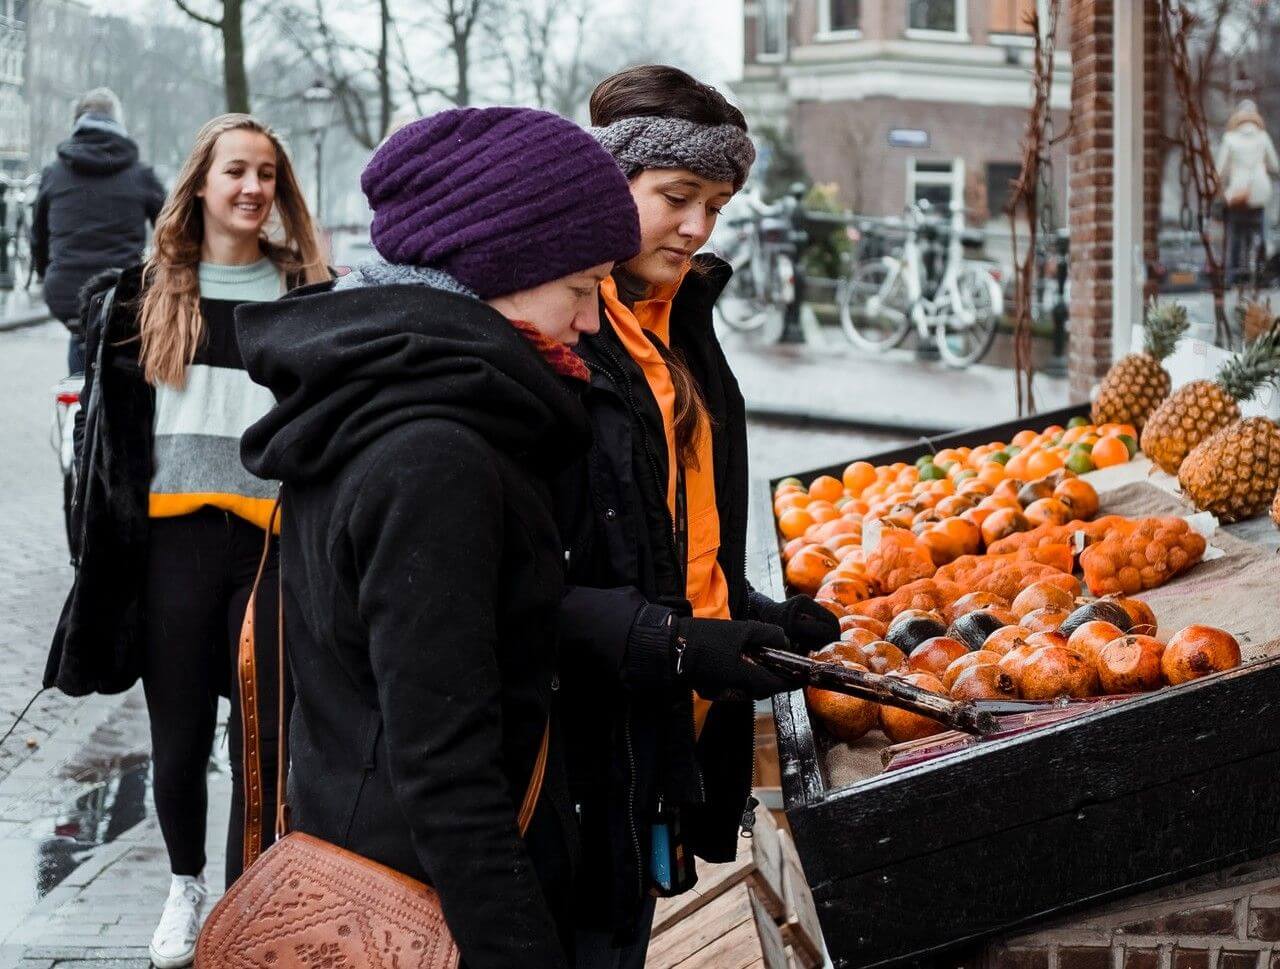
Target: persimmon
1046	511
974	486
846	591
793	545
1079	496
808	567
1008	488
1002	523
952	505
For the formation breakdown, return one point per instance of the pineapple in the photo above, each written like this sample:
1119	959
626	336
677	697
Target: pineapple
1135	384
1196	410
1234	472
1255	320
1275	510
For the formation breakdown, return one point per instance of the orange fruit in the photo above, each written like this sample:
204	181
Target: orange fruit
1109	451
822	513
793	522
857	477
826	488
1042	463
808	567
1023	438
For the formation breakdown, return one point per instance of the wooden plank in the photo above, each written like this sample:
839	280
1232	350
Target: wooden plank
740	949
713	881
801	928
766	876
773	950
803	781
1176	733
703	928
1094	850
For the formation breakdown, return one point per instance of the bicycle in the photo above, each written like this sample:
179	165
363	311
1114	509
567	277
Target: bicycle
957	303
761	247
21	192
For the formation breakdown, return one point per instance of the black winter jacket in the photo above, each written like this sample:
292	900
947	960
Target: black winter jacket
90	214
416	433
630	726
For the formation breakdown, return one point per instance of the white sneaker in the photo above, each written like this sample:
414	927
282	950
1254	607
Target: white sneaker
173	945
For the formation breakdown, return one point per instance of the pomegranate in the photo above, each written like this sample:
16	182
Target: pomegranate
1040	640
858	636
833	607
846	718
1055	671
976	600
1048	619
1042	595
986	681
902	725
1130	664
1198	651
935	655
1013	661
1142	615
1089	638
1006	638
958	666
879	656
852	621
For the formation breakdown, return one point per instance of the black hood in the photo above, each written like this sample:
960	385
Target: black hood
347	367
98	151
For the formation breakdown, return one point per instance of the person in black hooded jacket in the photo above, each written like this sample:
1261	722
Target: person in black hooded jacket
91	211
416	434
660	621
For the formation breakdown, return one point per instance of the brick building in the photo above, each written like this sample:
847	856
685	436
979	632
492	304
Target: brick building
14	130
894	100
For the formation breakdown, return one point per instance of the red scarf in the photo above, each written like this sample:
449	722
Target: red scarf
561	357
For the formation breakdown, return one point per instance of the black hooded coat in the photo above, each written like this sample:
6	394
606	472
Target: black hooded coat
91	214
416	432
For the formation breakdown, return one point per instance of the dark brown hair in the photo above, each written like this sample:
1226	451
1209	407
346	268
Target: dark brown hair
658	91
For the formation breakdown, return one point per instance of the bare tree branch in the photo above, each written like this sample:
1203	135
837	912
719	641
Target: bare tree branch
194	15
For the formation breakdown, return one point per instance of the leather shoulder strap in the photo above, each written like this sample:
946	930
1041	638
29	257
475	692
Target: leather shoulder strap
248	690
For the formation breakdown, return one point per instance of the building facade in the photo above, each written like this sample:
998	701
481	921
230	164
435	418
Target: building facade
15	133
897	100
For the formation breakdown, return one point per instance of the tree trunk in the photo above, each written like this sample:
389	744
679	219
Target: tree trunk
462	57
384	71
235	80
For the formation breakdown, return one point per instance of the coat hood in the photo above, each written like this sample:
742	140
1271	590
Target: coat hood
348	367
98	150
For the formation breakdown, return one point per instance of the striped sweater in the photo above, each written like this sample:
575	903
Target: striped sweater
198	426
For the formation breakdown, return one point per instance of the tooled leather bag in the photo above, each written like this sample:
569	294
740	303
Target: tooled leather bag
305	902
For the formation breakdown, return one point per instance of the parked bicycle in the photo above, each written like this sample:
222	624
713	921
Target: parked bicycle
19	195
66	404
952	300
761	243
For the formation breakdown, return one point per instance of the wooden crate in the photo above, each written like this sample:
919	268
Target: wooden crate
753	913
907	865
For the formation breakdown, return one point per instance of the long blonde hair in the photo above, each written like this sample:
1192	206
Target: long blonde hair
169	323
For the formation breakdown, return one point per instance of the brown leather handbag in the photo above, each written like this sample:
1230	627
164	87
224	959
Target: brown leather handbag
305	902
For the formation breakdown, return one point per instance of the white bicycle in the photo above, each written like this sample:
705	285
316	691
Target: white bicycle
953	301
760	245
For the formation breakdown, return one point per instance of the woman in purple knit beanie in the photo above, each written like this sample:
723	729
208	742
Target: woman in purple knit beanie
424	403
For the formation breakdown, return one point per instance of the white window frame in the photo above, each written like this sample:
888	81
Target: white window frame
954	179
958	36
1000	38
762	13
824	25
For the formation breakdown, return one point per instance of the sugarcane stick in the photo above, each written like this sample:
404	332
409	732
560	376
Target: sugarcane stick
890	690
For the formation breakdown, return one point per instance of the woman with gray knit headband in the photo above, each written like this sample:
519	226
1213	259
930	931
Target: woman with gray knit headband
659	617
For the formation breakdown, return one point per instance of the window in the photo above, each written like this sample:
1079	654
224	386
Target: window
840	16
936	16
772	22
1000	179
1011	16
941	182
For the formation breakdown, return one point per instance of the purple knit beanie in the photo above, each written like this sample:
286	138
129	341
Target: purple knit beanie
502	199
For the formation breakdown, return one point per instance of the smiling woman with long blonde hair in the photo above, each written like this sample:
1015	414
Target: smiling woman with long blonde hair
170	523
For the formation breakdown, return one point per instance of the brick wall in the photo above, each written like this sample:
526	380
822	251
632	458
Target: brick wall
1091	147
1227	920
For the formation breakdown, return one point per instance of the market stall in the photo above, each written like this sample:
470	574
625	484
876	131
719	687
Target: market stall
917	848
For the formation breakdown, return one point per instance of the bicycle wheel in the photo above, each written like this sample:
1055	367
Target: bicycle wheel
960	342
744	306
873	306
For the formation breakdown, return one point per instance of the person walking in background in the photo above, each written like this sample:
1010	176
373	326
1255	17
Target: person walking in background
91	210
1246	163
171	525
425	404
659	617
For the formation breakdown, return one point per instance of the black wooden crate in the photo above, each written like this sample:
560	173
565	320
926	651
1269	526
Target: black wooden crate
925	860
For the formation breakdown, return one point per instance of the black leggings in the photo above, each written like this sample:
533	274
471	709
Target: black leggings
199	577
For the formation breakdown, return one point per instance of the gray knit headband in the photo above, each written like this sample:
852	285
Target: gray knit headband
718	153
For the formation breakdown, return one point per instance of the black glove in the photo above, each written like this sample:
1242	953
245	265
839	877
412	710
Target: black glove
807	624
709	657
